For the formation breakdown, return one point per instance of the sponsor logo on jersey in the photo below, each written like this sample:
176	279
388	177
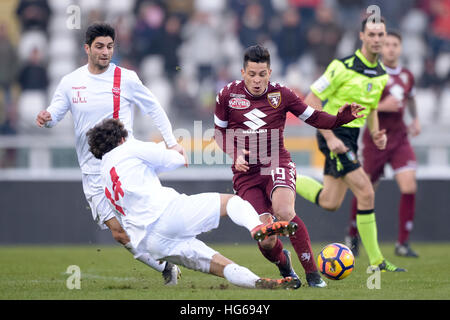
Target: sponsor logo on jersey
255	119
78	97
274	99
239	103
237	95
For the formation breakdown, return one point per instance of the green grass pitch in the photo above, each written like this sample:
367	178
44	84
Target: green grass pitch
109	272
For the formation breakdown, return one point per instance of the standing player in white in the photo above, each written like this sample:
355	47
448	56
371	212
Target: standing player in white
165	223
92	93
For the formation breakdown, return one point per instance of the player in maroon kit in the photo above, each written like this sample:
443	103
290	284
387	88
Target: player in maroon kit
397	96
249	119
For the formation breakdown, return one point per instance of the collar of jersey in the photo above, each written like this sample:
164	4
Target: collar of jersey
248	92
394	71
359	54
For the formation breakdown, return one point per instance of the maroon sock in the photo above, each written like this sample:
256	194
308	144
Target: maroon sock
406	216
275	254
352	228
302	246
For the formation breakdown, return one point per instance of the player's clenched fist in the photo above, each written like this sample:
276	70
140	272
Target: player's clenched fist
379	138
43	117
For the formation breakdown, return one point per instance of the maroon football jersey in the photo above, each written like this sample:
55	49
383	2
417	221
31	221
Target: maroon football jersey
401	86
257	122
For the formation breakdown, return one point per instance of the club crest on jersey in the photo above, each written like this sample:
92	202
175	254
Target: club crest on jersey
239	103
274	99
369	86
116	91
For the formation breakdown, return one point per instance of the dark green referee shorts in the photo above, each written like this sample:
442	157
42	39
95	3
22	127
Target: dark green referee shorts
338	165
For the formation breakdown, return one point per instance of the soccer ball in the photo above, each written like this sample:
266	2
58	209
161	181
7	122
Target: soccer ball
336	261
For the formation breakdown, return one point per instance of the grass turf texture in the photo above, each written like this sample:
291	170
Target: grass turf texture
110	272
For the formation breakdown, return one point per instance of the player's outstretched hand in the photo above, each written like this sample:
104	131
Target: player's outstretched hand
43	117
379	138
354	109
179	148
241	164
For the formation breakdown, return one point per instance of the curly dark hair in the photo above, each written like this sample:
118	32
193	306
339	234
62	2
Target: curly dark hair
105	136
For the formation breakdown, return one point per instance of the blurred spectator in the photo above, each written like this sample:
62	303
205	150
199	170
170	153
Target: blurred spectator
439	37
290	39
33	14
123	42
201	44
323	37
253	30
307	10
183	9
349	13
8	71
33	74
149	30
172	41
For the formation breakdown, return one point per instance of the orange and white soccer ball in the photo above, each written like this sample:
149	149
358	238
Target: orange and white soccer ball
336	261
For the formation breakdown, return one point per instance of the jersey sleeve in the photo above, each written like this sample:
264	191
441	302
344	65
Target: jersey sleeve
330	81
412	88
223	138
59	105
157	156
149	104
220	113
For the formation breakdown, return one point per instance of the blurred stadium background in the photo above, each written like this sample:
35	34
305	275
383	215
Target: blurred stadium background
185	51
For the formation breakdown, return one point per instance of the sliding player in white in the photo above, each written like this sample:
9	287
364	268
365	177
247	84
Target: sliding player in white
165	223
94	92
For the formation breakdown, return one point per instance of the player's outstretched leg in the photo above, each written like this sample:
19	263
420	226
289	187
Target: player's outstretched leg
243	214
283	201
243	277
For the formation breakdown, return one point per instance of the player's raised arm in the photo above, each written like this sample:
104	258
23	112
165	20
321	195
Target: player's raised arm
320	119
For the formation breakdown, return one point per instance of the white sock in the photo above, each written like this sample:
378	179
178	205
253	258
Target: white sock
145	258
242	213
240	276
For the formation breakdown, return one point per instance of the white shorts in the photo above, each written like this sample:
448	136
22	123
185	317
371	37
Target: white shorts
100	208
173	236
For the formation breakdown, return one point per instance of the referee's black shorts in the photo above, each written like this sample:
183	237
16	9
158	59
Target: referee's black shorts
338	165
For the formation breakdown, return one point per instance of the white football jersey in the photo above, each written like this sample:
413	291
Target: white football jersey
90	99
129	175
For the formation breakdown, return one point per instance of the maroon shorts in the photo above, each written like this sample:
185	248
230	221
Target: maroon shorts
398	153
257	188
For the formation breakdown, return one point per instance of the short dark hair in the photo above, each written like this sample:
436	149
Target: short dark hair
395	33
364	23
105	136
99	29
257	54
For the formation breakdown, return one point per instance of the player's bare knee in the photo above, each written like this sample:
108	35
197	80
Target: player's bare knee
284	213
330	206
366	197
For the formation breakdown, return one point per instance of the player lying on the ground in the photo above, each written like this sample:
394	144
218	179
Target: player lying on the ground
165	223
